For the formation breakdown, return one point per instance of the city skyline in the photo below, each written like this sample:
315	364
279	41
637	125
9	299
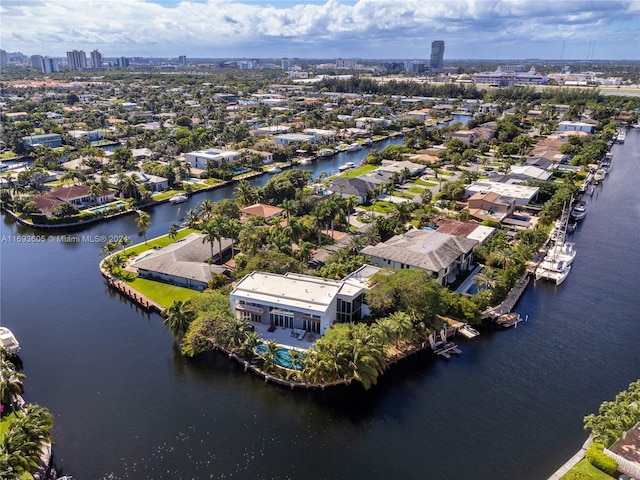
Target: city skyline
375	29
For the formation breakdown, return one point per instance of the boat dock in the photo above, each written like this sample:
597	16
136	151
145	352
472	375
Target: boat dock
134	295
512	298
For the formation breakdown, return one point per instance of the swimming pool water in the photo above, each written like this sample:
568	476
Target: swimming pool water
282	356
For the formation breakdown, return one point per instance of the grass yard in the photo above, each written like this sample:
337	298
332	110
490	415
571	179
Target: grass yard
380	207
585	471
162	293
425	184
158	242
416	189
354	172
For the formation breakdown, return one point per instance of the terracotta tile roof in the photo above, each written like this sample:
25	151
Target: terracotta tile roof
261	209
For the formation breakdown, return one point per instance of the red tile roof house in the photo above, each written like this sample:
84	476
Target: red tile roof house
77	194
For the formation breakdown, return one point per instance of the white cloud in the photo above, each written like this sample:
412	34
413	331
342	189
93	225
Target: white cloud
368	28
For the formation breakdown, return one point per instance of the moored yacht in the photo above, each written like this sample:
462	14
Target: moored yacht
8	341
551	269
562	251
346	166
179	198
353	147
579	211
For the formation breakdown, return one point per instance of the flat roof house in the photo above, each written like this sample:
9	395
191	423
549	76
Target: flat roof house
521	193
442	255
201	158
491	206
289	138
51	140
298	301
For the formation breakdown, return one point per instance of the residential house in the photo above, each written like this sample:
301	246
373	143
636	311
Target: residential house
466	136
359	187
51	140
216	157
443	256
79	195
183	263
319	134
529	172
626	452
263	210
292	138
521	193
567	126
298	301
474	231
490	206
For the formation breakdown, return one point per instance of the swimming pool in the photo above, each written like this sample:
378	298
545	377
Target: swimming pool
283	358
107	206
191	180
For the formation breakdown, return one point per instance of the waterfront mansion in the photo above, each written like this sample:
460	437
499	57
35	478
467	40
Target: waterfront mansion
300	301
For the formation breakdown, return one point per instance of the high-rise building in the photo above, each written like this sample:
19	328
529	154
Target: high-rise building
182	59
96	59
437	55
286	63
77	60
36	61
4	58
49	65
345	64
122	62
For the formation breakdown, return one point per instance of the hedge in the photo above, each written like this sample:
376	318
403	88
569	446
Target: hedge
598	459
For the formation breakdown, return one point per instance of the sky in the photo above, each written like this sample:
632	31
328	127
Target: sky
329	29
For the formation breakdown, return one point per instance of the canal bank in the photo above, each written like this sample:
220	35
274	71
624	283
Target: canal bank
128	405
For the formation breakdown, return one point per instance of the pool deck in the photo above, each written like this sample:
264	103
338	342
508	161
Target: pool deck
282	336
469	281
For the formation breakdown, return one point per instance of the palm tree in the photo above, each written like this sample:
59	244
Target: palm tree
108	248
233	332
401	212
124	240
211	234
486	278
178	317
304	253
192	218
142	222
288	205
231	229
297	359
350	203
10	384
426	196
206	209
269	355
245	194
174	228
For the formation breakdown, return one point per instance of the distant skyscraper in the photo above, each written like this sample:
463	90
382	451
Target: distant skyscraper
77	60
49	65
36	61
286	63
437	55
96	59
122	62
4	58
182	59
345	64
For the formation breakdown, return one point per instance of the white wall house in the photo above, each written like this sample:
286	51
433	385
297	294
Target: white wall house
201	158
289	138
567	126
298	301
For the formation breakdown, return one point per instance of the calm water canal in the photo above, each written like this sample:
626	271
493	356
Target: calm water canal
127	405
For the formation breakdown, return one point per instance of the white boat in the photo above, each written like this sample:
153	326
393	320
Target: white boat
562	251
367	141
8	341
579	211
555	270
346	166
468	331
599	175
509	319
326	152
353	147
179	198
274	170
305	161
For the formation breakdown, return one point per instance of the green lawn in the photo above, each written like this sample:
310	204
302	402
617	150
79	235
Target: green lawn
4	156
380	207
585	471
425	184
161	293
415	189
354	172
158	242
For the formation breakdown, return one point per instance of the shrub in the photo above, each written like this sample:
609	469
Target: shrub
598	459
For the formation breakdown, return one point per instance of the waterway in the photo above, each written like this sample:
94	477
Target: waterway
127	405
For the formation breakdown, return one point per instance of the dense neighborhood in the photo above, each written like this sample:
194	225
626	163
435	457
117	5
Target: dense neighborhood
308	282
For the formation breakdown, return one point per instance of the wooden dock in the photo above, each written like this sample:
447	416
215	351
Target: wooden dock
512	298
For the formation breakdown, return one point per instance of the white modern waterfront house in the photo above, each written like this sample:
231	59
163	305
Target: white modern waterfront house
521	193
202	158
300	301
